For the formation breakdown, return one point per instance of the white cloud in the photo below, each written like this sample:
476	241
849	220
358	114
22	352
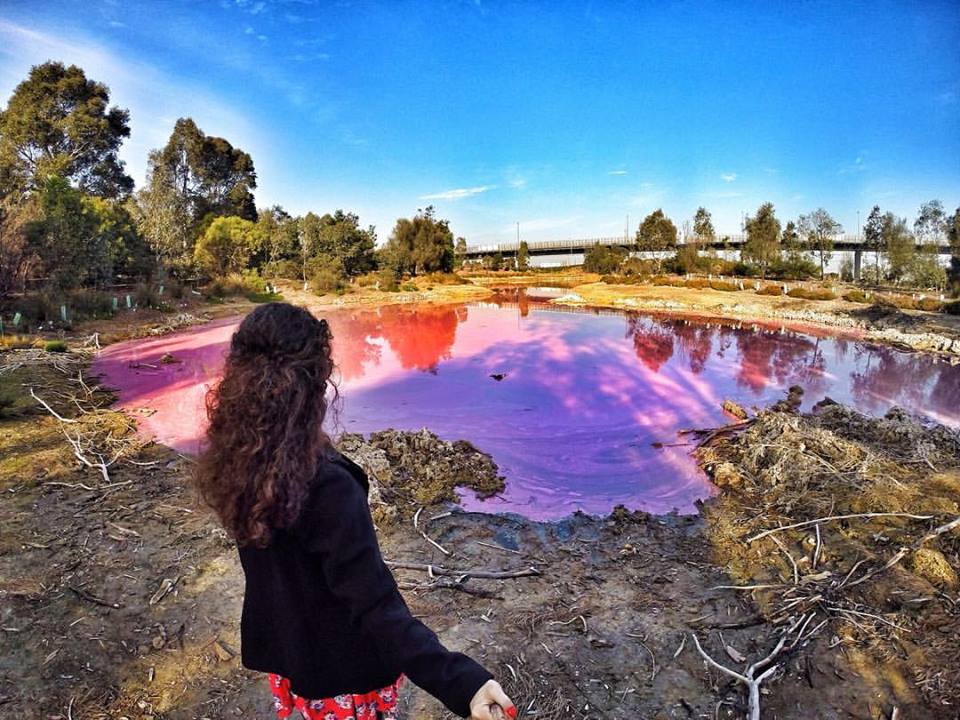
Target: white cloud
728	177
458	193
617	172
154	100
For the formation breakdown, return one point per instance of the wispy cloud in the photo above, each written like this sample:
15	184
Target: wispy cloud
859	164
617	172
458	193
728	177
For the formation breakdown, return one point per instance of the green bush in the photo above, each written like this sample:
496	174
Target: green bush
794	267
812	294
87	303
603	259
856	295
408	287
744	269
723	286
388	280
146	295
56	346
287	269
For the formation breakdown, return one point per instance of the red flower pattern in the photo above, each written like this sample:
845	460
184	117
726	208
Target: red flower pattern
363	706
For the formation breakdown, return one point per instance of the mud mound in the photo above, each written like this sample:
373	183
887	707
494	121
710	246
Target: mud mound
869	543
409	470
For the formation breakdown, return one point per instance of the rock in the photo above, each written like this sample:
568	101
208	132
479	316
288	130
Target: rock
168	359
498	376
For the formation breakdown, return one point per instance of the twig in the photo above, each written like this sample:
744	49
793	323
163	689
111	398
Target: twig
416	526
807	523
482	574
816	551
783	549
50	409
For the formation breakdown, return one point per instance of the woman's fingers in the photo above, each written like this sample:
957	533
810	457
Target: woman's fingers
501	699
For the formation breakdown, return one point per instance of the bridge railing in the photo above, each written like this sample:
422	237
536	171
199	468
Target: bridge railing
580	244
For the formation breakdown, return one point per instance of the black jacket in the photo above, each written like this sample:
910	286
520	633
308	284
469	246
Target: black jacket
322	609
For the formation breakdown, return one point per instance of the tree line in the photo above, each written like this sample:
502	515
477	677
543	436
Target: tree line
71	217
774	249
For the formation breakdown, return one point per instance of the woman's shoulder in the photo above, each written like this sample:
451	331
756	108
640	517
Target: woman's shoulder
338	481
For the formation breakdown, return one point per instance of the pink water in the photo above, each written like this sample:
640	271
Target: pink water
572	425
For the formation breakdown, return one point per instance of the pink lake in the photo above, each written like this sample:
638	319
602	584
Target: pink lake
585	396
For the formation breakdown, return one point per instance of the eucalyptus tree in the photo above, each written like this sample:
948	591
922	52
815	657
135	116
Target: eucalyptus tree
818	229
420	244
899	244
703	226
60	123
762	245
953	234
656	234
873	236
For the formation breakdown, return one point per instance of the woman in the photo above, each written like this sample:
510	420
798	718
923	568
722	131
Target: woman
321	612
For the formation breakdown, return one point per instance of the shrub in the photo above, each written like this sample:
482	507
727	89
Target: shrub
723	286
287	269
794	267
57	346
90	303
145	295
952	308
634	266
901	302
770	290
603	259
812	294
443	278
367	279
326	280
408	287
744	269
388	280
929	304
856	296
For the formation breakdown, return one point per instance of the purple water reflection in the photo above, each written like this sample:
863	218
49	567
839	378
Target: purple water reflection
585	395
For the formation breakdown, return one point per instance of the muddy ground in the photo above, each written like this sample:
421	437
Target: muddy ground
120	597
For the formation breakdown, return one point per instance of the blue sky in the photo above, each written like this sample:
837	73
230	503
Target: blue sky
565	117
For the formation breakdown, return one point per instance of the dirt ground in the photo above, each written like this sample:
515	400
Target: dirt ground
120	597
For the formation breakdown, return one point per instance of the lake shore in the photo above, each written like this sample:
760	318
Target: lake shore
937	333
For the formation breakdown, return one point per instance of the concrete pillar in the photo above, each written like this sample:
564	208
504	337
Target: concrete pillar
857	262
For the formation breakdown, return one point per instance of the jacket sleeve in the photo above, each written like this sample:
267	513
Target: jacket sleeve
337	527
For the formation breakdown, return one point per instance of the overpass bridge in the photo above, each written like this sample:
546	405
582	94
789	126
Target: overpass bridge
570	251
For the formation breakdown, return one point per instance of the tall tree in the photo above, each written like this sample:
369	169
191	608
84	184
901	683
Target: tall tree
193	179
818	229
460	252
656	234
900	245
703	226
873	236
931	222
762	245
523	256
280	235
58	122
340	236
953	234
421	244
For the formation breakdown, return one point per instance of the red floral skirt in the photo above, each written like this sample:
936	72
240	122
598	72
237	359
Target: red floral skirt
365	706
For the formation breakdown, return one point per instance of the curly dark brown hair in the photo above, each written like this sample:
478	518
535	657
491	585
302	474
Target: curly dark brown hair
265	438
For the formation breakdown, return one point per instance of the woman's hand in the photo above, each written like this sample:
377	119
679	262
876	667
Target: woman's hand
491	702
